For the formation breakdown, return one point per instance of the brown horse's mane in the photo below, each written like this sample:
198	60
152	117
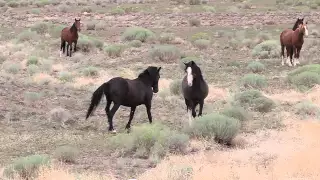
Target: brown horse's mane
295	26
73	28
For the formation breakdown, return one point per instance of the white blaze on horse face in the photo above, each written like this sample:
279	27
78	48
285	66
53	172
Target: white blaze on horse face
189	76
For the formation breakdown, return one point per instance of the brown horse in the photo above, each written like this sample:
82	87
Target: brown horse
70	35
291	39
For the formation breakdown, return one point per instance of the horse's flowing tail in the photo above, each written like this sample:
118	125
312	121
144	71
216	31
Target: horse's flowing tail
96	97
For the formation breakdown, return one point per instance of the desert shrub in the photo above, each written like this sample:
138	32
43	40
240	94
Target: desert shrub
188	59
32	69
194	22
32	96
149	140
63	8
59	114
247	43
201	43
65	76
42	3
137	33
86	43
117	11
91	25
166	53
32	60
253	99
13	4
55	30
220	127
67	154
114	50
2	3
27	36
194	2
3	58
305	77
200	35
90	71
86	9
209	8
266	49
175	87
236	112
101	25
307	108
253	81
135	43
27	167
13	68
315	32
46	65
166	38
40	28
256	66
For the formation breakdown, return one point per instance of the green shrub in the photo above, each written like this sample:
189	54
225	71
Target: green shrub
86	9
55	30
137	33
117	11
2	3
135	43
188	59
166	38
200	35
32	96
32	69
166	53
209	9
202	43
236	112
86	44
65	76
194	22
149	140
13	4
40	28
42	3
67	154
253	81
222	128
256	66
90	71
305	77
307	108
175	87
27	167
13	68
91	25
27	36
253	99
32	60
194	2
114	50
266	49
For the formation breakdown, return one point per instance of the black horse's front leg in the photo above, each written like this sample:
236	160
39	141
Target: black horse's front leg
148	107
201	107
128	126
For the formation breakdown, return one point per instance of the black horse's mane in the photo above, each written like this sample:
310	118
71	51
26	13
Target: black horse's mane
295	26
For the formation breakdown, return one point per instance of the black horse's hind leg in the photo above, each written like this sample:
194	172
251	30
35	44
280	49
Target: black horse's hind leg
107	109
128	126
111	114
201	107
148	107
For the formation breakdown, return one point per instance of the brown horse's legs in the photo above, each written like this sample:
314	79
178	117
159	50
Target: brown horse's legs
289	49
62	47
68	49
282	54
298	55
292	53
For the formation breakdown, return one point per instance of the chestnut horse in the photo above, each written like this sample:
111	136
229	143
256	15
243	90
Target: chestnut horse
292	39
70	35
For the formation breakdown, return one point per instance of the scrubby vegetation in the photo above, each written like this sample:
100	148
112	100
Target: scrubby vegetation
305	77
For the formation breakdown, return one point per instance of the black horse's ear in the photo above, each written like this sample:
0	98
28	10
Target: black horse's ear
192	62
159	69
185	63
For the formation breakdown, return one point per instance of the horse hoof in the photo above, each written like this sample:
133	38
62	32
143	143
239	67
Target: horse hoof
128	130
113	132
282	63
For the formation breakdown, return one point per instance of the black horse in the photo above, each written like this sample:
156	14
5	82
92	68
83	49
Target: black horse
127	92
194	89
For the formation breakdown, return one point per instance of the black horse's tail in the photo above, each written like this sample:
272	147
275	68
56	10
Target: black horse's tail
96	97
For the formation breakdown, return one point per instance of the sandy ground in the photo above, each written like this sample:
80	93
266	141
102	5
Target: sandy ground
292	153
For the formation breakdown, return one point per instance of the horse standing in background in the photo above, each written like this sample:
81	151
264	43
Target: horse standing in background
194	89
286	41
129	93
70	35
297	41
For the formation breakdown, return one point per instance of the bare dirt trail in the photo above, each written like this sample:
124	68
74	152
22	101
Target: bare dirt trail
289	154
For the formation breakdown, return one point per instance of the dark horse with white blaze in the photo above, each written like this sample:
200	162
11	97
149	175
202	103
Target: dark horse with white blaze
293	40
127	92
70	35
194	89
